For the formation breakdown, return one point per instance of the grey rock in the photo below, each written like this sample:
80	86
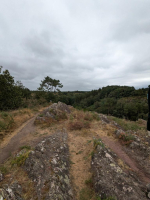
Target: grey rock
148	133
49	166
109	180
119	132
55	111
11	192
1	176
148	187
134	145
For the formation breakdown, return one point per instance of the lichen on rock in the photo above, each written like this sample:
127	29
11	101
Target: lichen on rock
56	111
111	181
48	167
11	192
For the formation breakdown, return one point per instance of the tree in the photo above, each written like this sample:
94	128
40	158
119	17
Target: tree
50	85
10	95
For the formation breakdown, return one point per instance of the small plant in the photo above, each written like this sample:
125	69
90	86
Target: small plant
89	141
19	161
97	142
89	182
71	117
41	115
6	122
4	115
92	154
96	116
71	162
79	152
86	194
127	138
3	170
25	147
3	125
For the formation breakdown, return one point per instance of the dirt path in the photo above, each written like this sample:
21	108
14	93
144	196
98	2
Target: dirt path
80	149
116	147
16	141
24	135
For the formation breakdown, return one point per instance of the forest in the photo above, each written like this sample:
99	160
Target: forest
119	101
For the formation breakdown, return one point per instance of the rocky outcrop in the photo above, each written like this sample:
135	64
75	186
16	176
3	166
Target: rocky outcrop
57	111
48	167
111	181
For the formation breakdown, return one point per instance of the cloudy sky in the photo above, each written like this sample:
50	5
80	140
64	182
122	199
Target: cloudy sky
86	44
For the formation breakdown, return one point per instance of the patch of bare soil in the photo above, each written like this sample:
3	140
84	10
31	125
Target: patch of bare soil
80	149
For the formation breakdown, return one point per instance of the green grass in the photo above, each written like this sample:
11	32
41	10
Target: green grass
3	169
126	124
97	142
19	161
6	121
79	152
41	115
86	194
108	198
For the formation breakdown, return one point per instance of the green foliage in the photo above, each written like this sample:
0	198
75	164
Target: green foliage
6	121
19	161
3	169
97	142
86	194
107	198
119	101
11	93
127	125
49	84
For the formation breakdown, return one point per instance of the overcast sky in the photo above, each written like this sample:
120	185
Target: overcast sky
86	44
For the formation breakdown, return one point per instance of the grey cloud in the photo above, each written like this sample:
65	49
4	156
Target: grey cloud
85	44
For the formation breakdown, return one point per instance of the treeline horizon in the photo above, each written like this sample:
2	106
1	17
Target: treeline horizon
119	101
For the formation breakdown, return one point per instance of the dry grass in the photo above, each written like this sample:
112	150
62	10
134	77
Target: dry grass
10	121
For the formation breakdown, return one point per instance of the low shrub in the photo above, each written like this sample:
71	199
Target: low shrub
126	138
78	125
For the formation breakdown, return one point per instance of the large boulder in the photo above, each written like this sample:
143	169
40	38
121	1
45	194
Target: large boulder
56	111
48	167
110	180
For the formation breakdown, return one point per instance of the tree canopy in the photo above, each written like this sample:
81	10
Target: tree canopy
50	85
11	93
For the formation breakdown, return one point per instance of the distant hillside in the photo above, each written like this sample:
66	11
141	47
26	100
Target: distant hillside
120	101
